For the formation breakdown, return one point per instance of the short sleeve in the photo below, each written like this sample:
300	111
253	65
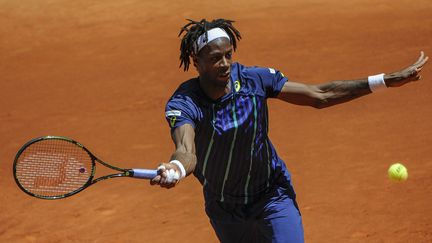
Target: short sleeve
180	110
273	81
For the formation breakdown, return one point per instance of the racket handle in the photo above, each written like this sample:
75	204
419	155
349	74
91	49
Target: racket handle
144	173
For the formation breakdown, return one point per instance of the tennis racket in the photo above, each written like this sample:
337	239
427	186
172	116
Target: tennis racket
54	167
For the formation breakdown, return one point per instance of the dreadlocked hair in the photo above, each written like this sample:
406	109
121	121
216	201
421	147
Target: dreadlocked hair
195	29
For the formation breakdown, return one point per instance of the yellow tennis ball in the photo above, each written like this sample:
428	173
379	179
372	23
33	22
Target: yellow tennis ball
398	172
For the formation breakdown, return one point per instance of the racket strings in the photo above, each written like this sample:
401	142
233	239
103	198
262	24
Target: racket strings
53	168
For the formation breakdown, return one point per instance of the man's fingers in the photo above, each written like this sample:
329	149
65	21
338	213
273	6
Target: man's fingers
166	178
155	180
169	185
420	58
416	78
424	61
163	182
418	67
421	64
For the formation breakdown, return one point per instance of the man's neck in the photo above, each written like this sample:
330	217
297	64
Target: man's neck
215	92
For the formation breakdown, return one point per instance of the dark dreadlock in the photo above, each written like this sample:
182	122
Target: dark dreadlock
195	29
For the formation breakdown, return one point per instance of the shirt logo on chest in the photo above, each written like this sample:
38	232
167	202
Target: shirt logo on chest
237	85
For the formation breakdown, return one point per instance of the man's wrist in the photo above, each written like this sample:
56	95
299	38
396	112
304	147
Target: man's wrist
180	166
376	82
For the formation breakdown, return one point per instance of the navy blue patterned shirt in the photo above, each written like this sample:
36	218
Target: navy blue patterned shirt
236	162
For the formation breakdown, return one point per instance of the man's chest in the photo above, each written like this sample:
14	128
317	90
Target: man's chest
242	112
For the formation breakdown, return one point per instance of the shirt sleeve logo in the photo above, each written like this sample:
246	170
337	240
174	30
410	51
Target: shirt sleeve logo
173	120
172	115
272	71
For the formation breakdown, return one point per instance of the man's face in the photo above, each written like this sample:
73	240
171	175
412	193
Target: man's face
214	61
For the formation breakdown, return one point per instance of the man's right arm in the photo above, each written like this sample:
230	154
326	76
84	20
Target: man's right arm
184	141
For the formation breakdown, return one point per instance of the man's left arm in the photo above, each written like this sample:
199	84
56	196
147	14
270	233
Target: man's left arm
337	92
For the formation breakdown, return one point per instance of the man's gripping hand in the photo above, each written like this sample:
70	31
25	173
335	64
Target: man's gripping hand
168	175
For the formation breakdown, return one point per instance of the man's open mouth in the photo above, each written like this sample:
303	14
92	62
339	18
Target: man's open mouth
225	74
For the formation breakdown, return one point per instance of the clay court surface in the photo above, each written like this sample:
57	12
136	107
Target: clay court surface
100	72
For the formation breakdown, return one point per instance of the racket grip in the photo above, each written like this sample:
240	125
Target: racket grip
144	173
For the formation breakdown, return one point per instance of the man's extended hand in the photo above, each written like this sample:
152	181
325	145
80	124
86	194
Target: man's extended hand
411	73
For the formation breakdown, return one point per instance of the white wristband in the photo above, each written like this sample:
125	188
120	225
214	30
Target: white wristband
376	82
180	165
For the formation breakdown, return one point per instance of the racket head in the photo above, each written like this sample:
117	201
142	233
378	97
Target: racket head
53	167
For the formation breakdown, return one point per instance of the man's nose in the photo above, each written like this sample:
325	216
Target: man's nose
224	62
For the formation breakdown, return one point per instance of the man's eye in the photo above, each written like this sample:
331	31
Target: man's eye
229	55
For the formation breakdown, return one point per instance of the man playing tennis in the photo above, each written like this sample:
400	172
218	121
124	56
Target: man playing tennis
219	126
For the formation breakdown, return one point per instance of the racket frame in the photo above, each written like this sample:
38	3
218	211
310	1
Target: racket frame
90	181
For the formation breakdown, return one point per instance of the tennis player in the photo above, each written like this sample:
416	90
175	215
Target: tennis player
219	125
